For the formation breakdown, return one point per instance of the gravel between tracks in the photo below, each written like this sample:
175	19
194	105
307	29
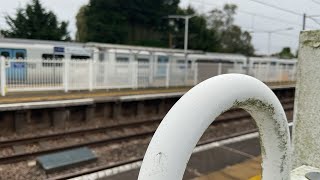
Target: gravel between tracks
109	154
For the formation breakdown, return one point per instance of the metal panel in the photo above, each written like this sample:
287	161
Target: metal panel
61	160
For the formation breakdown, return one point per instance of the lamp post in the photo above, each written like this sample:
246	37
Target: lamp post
269	35
186	29
186	32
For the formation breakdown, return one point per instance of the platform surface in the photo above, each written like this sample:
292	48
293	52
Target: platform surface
19	97
248	170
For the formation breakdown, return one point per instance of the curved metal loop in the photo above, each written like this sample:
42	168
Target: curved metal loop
172	144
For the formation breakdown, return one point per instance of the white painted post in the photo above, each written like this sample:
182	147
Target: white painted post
3	75
152	63
66	75
90	75
219	68
294	72
306	130
268	72
186	71
134	74
168	75
195	80
181	129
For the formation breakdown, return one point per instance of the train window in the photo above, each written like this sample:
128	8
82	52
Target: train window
180	61
122	59
101	57
20	55
143	60
189	63
163	59
80	57
5	54
52	57
214	61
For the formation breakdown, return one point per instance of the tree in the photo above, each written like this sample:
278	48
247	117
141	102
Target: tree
82	29
200	37
145	22
34	22
138	22
285	53
232	39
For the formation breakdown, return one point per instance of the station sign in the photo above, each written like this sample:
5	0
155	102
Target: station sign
58	49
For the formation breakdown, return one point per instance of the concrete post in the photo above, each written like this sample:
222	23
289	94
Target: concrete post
306	130
181	129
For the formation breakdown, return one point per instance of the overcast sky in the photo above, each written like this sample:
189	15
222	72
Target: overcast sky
67	10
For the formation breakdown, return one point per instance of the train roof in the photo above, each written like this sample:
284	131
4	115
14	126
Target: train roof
220	56
139	48
36	41
272	59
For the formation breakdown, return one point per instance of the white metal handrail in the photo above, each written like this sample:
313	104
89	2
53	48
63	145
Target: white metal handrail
181	129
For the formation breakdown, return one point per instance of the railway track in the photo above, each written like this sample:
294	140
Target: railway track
139	159
123	133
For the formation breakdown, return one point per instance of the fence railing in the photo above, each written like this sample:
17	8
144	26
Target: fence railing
19	75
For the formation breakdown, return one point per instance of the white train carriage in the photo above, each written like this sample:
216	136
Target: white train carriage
272	69
155	65
38	62
212	64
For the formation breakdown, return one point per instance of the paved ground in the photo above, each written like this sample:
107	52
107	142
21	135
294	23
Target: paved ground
239	156
249	169
59	95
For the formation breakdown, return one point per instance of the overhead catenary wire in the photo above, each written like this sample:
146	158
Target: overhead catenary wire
317	2
285	10
314	20
275	19
277	7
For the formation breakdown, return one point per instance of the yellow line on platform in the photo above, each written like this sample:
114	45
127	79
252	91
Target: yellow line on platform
243	171
256	178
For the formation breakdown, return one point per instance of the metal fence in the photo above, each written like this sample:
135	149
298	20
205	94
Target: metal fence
67	75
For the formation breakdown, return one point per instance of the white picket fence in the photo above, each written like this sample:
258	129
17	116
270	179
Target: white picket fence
70	75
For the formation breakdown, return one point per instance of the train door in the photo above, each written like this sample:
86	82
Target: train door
15	69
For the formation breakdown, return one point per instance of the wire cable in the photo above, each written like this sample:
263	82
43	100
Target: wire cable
277	7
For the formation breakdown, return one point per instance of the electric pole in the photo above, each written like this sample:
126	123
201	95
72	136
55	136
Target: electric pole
304	21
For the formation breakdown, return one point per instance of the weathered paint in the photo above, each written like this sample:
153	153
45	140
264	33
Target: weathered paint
300	172
306	133
173	143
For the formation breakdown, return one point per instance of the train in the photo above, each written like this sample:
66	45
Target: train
25	57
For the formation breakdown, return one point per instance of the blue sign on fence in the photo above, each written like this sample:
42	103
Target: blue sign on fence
58	49
18	65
